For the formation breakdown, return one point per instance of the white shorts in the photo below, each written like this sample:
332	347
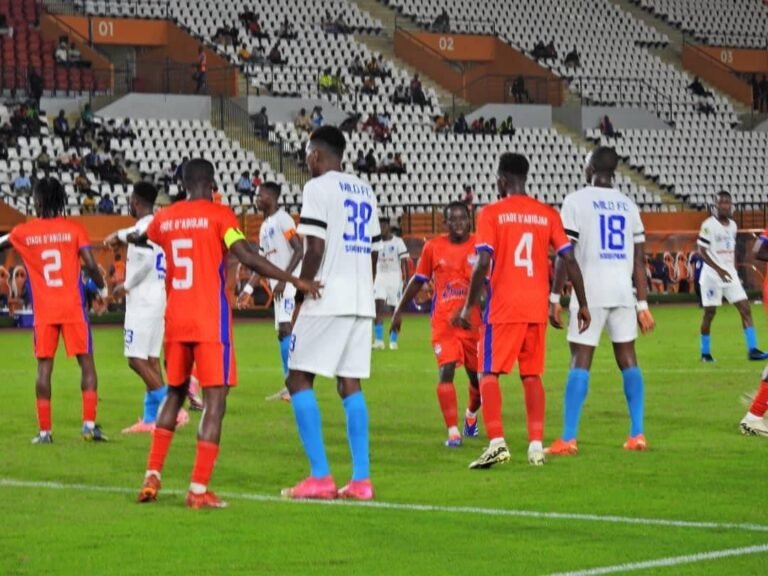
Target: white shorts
284	306
143	337
332	346
620	323
712	293
388	289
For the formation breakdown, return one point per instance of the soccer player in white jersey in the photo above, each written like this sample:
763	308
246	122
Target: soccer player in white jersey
144	290
391	276
609	239
278	243
717	246
331	336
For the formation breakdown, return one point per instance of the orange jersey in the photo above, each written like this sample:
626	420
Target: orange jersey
50	249
450	266
518	232
195	235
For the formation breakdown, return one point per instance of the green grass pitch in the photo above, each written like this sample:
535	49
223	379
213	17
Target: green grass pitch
699	469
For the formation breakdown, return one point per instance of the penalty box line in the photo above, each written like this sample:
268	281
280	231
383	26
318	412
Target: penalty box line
407	507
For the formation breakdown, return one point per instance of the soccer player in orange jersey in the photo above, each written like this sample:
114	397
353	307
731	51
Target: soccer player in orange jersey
52	248
514	236
448	261
195	236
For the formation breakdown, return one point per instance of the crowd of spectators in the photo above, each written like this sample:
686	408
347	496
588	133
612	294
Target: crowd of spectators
543	51
479	125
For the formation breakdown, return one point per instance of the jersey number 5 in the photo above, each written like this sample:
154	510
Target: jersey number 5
524	253
182	263
51	268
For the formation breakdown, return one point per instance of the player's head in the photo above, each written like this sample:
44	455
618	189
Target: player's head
143	199
268	197
457	221
512	174
198	178
604	163
724	204
325	150
50	198
386	228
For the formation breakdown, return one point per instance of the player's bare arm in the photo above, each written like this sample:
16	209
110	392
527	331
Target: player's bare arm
92	269
249	257
404	269
759	250
558	283
298	254
248	289
479	273
707	257
574	274
413	288
644	317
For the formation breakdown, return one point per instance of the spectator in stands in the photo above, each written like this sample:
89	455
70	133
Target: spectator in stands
490	127
35	85
234	34
287	31
572	59
61	125
106	206
201	70
244	184
180	169
606	127
301	122
442	24
325	82
705	108
415	83
256	181
386	163
469	196
507	127
383	67
360	164
87	117
442	123
401	95
104	156
697	89
551	51
91	160
255	57
763	88
370	161
61	55
519	91
341	24
275	56
3	150
22	184
246	17
350	123
74	161
255	30
460	126
539	51
43	160
73	55
261	123
89	202
76	136
398	166
417	92
478	125
369	86
317	119
132	173
125	132
337	83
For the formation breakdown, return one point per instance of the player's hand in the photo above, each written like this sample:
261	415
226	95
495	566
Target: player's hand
461	319
724	276
242	300
309	287
119	292
277	293
555	311
646	321
585	319
112	241
397	322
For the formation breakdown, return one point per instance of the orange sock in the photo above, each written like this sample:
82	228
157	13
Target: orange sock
161	442
205	459
491	398
474	399
535	404
90	399
760	404
44	415
446	395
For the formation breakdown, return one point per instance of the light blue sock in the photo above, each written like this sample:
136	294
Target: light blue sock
285	349
750	337
152	401
634	391
307	414
576	389
706	343
378	331
357	432
393	337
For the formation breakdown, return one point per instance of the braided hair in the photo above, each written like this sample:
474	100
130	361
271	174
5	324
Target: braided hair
50	198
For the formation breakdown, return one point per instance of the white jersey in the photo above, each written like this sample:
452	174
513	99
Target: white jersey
144	275
392	253
605	225
341	209
720	242
275	241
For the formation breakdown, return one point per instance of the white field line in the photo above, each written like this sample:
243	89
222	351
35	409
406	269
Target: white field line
671	561
498	512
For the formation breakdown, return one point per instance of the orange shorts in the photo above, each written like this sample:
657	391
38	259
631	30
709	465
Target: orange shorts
214	363
504	345
459	346
77	339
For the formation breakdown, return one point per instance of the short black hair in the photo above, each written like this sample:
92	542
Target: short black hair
198	171
53	198
605	160
332	138
272	187
724	193
146	191
455	205
514	164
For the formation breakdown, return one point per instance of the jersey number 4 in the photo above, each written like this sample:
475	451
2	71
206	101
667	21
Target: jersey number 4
52	267
182	263
524	253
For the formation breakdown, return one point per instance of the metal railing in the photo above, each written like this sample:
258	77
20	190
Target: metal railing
602	90
117	8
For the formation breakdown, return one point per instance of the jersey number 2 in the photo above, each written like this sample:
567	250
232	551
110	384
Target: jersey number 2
524	253
182	263
51	268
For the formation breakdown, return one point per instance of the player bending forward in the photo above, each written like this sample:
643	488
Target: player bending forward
196	234
391	274
331	337
278	243
605	227
52	248
448	260
514	236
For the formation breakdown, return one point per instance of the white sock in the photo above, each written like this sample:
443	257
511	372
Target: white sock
496	442
453	431
90	424
154	473
752	417
470	415
535	446
198	489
